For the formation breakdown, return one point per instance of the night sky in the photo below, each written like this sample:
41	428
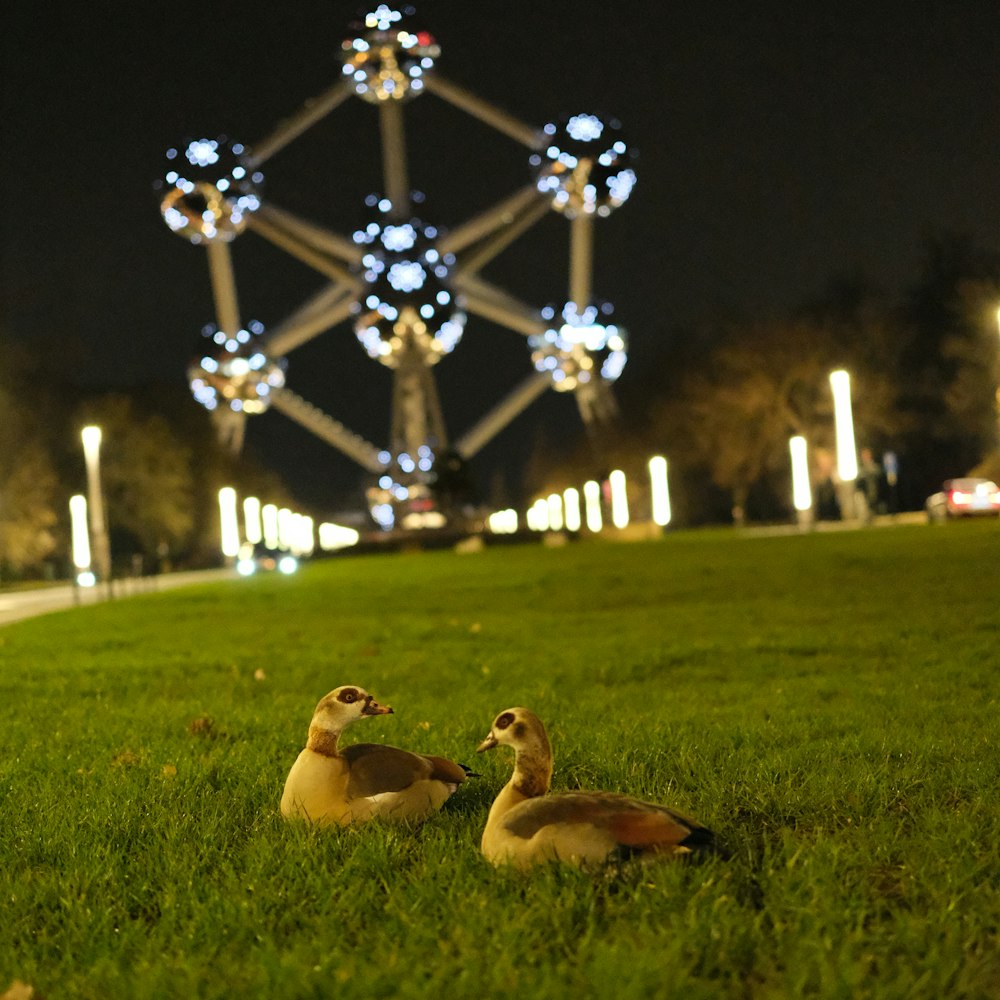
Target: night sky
777	150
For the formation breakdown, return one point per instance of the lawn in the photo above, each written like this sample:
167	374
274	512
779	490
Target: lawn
826	703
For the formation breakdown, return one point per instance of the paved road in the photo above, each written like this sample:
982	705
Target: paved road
15	605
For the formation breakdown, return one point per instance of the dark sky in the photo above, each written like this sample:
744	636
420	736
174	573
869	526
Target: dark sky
778	149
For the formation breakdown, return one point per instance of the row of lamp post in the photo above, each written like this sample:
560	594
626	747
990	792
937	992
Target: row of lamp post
558	511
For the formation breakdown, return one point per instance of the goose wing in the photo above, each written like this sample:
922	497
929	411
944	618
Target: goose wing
632	824
375	768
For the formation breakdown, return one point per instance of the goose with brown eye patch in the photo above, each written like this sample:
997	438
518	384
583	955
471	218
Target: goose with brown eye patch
529	826
329	785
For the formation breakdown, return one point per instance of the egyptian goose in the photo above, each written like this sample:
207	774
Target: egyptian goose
327	785
526	826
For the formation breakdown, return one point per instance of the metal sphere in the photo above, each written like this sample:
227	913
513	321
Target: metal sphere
406	303
384	59
208	190
582	349
585	166
233	374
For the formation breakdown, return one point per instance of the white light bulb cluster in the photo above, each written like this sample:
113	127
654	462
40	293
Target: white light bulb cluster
583	348
208	190
233	373
406	302
585	168
386	61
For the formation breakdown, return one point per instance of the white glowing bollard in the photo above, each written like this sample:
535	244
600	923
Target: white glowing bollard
286	529
251	521
847	455
336	536
554	502
801	491
80	540
592	505
503	522
659	490
571	509
269	519
619	499
538	516
229	522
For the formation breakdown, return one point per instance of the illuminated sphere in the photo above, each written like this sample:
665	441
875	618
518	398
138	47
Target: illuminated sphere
586	166
583	348
406	302
208	190
233	374
384	59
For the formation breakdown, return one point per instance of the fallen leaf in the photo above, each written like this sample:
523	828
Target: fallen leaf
169	770
20	991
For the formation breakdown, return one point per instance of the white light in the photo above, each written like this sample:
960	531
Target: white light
619	499
554	502
503	522
585	128
86	579
286	531
336	536
91	437
847	455
246	567
801	492
230	525
288	565
538	516
660	490
80	538
571	508
269	516
251	521
592	504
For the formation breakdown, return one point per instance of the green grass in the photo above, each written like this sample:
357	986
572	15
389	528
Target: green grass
827	703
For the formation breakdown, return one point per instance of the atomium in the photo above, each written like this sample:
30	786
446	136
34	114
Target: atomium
408	286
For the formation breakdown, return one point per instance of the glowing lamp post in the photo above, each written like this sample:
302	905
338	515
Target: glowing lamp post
229	522
571	508
592	505
80	540
554	502
91	437
801	491
619	499
660	491
251	520
847	453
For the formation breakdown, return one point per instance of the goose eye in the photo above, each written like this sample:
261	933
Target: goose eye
503	721
349	696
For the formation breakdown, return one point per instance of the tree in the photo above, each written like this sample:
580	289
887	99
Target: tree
145	473
27	488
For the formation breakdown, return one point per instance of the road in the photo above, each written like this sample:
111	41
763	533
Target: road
18	604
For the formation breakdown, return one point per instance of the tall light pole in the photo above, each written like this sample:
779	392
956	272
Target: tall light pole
91	437
847	452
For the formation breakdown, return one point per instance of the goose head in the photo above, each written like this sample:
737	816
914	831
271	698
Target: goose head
344	705
519	728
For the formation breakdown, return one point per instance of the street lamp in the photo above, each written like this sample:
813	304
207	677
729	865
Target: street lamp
801	491
847	453
91	437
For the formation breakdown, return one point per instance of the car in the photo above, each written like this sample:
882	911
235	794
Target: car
964	498
256	560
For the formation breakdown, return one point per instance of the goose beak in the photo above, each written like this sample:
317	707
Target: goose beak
488	744
372	707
